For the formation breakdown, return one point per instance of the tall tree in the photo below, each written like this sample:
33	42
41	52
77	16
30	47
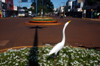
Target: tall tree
91	2
46	5
24	7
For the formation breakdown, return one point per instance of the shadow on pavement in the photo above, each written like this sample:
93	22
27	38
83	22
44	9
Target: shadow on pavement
33	56
96	48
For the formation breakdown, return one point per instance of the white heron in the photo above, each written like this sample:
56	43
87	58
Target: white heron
60	45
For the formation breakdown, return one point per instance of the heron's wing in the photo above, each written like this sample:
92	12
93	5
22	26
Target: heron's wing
56	48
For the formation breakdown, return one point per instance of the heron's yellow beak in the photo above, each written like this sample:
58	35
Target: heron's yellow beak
69	21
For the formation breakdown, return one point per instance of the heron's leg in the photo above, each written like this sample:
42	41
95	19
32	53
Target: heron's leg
55	60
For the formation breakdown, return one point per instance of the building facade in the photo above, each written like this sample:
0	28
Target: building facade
79	1
74	7
70	5
6	8
10	4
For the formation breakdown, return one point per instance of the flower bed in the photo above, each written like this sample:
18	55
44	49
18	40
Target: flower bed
68	56
42	20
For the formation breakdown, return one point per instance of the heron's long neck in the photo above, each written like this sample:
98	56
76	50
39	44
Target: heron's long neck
63	37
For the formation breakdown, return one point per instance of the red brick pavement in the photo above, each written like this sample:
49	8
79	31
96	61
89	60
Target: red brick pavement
79	32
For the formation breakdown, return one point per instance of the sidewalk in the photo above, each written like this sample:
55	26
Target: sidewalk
4	17
97	19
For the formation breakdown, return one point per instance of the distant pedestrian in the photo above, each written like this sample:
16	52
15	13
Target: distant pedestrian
84	13
91	13
98	15
61	15
95	14
64	15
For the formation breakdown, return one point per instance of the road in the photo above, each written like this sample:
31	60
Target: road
80	32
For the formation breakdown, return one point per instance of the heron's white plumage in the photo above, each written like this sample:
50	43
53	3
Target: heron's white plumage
56	48
59	45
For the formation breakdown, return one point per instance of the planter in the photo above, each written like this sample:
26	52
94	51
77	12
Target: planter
42	21
37	21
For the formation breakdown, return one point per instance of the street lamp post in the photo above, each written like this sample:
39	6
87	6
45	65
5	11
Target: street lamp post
43	7
36	8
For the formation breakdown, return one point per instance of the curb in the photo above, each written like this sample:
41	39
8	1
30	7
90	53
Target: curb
91	19
4	50
27	23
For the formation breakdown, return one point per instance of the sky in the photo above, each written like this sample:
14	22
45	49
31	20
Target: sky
57	3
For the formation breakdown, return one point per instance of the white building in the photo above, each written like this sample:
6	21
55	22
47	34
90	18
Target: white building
15	8
80	4
75	5
62	9
70	5
56	10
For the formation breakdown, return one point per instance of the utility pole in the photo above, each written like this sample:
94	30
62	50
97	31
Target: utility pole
19	3
1	7
36	8
63	3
